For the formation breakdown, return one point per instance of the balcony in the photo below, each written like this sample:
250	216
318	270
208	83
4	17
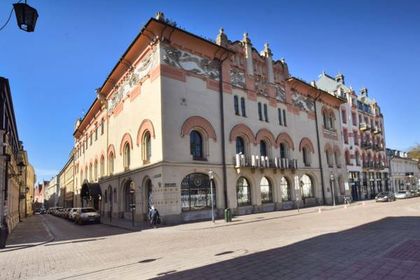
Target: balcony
261	162
366	145
362	126
376	130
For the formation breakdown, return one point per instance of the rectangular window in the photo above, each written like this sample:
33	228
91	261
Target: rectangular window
243	107
90	139
265	113
260	111
102	127
284	118
96	134
354	119
280	117
344	116
236	104
346	136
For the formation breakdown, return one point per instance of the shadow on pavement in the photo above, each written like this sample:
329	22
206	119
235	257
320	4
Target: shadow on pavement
41	229
388	248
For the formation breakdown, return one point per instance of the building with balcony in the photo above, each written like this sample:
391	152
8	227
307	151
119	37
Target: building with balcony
177	106
404	171
363	138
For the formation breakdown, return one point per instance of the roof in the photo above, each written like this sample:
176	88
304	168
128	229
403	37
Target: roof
329	84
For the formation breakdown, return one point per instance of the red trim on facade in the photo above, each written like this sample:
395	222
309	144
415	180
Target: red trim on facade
146	125
126	139
173	73
198	122
110	149
244	131
264	133
284	137
306	142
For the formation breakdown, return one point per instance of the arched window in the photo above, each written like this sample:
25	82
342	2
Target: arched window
196	193
331	121
243	192
337	158
106	196
347	156
357	156
95	170
306	156
196	145
286	194
284	150
111	163
266	190
126	156
90	172
102	167
146	147
240	145
263	148
128	197
329	158
307	188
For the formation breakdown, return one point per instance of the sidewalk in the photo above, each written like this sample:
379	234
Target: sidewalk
31	232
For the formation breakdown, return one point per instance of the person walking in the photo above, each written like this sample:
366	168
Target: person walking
154	217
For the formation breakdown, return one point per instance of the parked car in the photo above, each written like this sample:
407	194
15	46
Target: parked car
72	214
42	211
414	193
385	197
402	194
87	215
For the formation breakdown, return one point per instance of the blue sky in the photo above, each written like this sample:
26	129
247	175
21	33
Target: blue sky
54	71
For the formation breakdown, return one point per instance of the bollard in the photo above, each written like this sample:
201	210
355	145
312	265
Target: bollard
319	210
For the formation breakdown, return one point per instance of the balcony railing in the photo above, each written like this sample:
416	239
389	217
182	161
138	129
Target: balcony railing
376	130
257	161
366	145
362	126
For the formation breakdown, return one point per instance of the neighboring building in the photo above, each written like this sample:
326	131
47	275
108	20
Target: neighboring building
66	184
52	193
39	197
404	171
11	161
177	106
30	189
363	138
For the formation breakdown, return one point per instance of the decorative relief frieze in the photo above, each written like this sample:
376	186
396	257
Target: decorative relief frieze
280	93
189	62
132	79
237	78
261	85
302	102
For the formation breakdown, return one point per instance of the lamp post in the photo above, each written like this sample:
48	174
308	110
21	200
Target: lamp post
211	176
26	16
132	205
332	178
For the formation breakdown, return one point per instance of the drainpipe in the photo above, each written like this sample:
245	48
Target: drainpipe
222	127
319	150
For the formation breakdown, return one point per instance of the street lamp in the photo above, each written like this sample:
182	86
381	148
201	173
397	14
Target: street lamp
332	178
211	176
26	16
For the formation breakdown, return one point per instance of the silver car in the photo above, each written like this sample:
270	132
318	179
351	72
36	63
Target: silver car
87	215
402	194
72	214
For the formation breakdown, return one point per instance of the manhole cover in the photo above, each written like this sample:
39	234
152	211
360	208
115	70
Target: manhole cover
224	253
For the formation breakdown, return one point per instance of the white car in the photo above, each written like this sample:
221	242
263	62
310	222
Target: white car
86	215
402	194
72	214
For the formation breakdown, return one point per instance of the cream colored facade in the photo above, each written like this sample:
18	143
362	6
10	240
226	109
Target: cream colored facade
164	93
30	189
66	184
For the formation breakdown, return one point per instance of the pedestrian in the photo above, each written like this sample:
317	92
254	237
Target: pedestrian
154	217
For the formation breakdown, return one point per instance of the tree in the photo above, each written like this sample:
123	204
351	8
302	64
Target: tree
414	152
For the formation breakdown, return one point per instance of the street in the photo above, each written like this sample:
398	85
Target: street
364	241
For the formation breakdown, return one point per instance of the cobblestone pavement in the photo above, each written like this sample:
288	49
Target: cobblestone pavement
365	241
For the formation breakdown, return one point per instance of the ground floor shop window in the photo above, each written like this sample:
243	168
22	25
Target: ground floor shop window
243	192
307	188
285	189
195	192
266	190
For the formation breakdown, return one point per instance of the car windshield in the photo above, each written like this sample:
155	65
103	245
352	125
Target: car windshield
88	210
382	194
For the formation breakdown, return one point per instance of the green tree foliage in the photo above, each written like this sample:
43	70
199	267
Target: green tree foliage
414	152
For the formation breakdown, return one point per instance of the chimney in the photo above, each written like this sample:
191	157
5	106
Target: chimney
340	78
160	16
